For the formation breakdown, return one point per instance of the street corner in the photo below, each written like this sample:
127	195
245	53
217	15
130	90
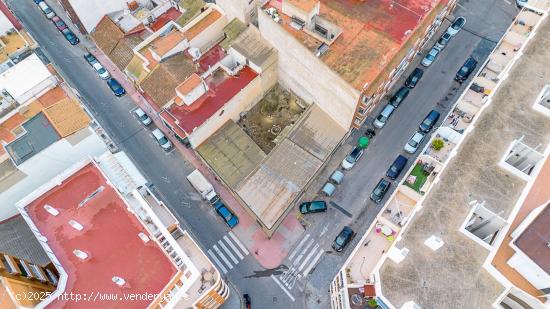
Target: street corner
269	252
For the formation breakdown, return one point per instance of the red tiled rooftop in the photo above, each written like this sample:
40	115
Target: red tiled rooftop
211	57
164	44
220	92
373	32
110	237
204	23
189	84
164	18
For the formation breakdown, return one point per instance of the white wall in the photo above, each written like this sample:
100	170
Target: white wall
90	12
240	9
530	270
210	35
48	163
5	24
307	76
193	95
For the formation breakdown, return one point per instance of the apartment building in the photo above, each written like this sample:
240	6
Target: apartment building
464	227
106	233
345	55
43	130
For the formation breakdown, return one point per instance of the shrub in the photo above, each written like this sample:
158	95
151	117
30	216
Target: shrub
437	144
372	303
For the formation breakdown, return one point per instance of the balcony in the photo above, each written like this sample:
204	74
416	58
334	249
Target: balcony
423	174
443	143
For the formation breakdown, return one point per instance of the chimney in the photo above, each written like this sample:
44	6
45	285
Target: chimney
119	281
77	226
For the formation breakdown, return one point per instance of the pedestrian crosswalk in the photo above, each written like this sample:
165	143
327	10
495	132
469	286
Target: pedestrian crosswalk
227	252
302	260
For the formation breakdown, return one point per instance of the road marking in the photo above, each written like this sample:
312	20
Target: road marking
298	248
342	210
297	260
219	252
312	264
238	242
233	247
228	252
308	257
283	288
508	2
220	265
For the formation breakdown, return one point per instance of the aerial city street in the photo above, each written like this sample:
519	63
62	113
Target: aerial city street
332	154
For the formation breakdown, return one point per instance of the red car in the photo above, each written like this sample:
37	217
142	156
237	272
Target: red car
59	23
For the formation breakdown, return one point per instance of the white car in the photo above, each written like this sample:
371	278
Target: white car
443	40
430	57
143	117
456	26
352	158
415	141
103	73
46	10
162	140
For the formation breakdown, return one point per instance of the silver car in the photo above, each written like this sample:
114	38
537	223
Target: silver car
143	117
414	142
385	114
430	57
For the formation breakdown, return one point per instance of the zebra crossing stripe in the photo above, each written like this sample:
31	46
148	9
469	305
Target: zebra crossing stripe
317	257
220	265
298	248
308	257
219	252
237	252
224	247
238	242
297	260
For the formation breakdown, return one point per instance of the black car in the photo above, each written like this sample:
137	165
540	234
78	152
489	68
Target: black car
313	207
399	96
91	59
116	87
396	167
414	78
467	68
380	190
247	302
343	239
70	36
429	122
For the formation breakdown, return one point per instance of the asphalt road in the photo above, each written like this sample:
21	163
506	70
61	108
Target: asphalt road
486	22
166	171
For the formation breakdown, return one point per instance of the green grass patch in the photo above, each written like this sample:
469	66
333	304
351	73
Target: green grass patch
192	9
420	178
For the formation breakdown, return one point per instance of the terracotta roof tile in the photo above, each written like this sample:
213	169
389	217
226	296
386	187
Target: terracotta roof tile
189	84
164	44
52	96
123	52
305	5
202	24
107	34
67	117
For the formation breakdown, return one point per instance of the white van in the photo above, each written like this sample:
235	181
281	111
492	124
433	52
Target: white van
46	9
162	140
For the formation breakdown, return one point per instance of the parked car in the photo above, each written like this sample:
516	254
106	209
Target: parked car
343	239
143	117
91	59
415	141
429	122
59	23
443	40
380	190
37	1
103	73
430	57
383	117
456	26
399	96
352	158
313	207
46	10
116	87
230	219
396	167
467	68
521	3
70	36
247	301
162	140
414	78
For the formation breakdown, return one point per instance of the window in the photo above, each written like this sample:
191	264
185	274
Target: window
483	225
321	30
521	159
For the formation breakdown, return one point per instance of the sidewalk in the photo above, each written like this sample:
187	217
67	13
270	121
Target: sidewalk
269	252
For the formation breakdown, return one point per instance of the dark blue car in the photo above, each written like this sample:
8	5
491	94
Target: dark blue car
226	214
397	166
116	87
429	122
70	36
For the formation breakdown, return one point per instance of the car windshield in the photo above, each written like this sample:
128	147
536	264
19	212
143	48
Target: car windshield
413	143
464	70
163	140
143	117
101	71
393	168
381	118
430	57
340	239
427	122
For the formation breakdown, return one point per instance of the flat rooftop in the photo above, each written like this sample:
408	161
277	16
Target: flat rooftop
454	274
373	32
109	236
222	88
